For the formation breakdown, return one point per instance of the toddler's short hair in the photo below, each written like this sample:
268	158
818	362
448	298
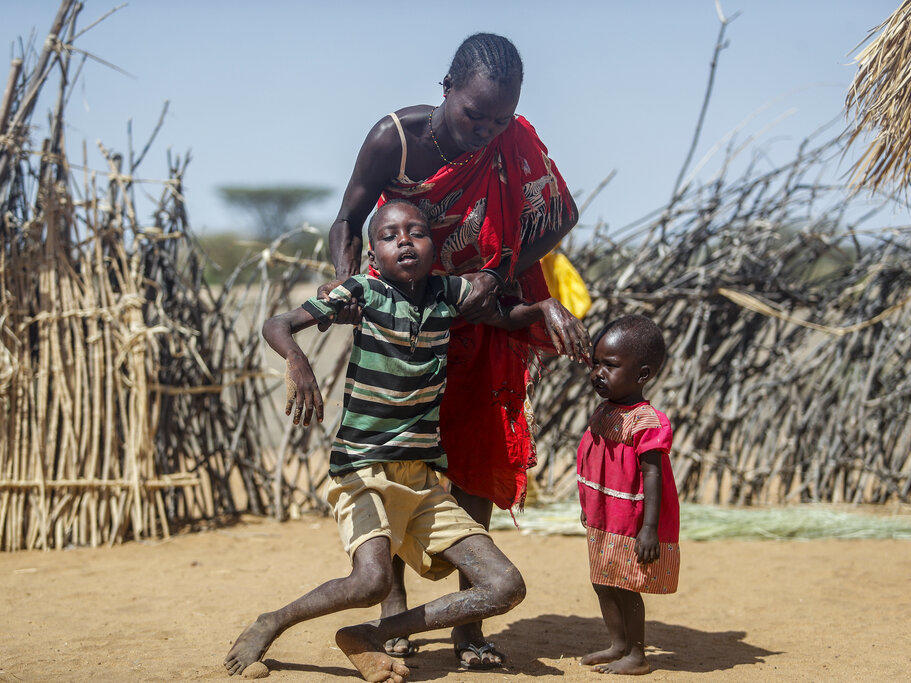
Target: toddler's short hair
639	336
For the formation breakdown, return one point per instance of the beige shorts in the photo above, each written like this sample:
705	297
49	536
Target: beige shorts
405	502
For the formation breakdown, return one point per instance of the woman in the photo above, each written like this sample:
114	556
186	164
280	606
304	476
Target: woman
496	204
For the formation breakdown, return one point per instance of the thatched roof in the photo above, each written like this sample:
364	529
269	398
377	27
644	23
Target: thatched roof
880	98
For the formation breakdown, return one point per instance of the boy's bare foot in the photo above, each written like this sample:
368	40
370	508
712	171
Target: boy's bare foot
365	650
611	654
251	644
633	664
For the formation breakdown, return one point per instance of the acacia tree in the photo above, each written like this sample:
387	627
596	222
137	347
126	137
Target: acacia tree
275	209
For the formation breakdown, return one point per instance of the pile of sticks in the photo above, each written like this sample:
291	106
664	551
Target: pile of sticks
132	396
787	319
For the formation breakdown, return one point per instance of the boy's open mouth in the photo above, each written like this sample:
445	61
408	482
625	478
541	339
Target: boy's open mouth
408	256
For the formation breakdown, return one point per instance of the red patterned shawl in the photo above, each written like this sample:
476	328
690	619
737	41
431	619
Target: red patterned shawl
507	193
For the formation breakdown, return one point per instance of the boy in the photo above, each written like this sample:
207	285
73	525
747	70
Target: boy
384	492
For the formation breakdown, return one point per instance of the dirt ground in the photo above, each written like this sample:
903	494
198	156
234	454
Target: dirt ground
833	609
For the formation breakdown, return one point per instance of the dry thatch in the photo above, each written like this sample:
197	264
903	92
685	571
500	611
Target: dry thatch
880	97
789	372
132	396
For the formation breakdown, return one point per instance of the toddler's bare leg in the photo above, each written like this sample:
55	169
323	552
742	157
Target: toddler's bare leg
367	584
496	587
609	600
633	662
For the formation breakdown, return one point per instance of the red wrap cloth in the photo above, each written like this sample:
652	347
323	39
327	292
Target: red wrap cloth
506	194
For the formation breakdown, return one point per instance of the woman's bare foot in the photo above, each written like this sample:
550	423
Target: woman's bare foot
399	647
611	654
633	664
394	604
252	644
365	650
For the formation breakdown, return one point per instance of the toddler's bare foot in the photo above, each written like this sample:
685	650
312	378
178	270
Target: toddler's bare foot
603	656
633	664
361	645
251	644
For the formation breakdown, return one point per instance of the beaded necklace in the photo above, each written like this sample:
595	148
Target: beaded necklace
437	145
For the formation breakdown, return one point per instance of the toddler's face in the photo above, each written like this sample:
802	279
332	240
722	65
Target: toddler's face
402	249
615	372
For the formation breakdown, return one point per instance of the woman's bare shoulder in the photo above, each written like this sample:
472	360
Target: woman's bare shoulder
413	118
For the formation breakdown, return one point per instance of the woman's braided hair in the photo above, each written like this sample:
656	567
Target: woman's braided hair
488	54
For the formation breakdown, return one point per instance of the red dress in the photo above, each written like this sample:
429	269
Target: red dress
612	497
481	209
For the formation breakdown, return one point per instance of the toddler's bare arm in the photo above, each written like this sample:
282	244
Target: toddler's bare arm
647	547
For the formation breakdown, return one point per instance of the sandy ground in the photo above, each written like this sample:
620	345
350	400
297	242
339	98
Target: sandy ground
830	610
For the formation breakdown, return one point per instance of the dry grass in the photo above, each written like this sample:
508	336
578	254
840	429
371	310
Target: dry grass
880	98
132	396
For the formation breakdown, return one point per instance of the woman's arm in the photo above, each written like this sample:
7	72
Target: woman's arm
299	378
376	164
536	249
566	331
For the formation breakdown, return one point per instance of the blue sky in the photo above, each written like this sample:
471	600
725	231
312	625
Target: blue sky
284	92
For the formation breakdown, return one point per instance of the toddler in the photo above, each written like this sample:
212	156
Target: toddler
629	500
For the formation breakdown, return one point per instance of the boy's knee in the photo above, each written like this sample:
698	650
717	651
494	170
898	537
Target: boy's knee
369	588
507	589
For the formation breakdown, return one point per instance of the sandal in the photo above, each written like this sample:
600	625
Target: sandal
480	651
412	648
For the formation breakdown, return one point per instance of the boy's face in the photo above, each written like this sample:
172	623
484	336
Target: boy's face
401	247
616	372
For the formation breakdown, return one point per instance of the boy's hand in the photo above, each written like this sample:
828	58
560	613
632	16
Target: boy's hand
647	547
584	520
302	390
566	331
349	314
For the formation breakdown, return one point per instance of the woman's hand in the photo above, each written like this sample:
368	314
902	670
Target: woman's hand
584	520
647	547
566	331
349	314
302	390
482	300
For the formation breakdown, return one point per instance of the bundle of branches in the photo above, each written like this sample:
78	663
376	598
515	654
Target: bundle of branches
880	98
132	397
787	319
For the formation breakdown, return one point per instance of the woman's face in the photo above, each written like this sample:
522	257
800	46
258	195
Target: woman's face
479	111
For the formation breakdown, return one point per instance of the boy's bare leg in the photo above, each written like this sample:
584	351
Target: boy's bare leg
633	662
480	510
611	610
394	603
367	584
496	587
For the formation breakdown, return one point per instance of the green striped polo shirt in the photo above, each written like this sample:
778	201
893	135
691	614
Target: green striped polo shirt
396	373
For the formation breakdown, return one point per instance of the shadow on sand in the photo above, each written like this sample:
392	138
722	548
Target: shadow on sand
671	647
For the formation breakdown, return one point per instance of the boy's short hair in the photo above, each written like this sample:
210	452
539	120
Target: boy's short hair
641	337
375	217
